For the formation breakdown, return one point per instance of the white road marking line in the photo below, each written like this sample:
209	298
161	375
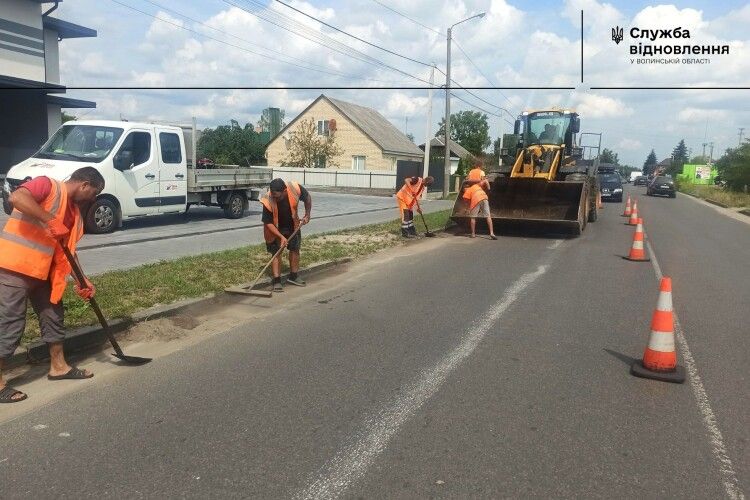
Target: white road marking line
352	461
729	476
64	434
39	427
554	244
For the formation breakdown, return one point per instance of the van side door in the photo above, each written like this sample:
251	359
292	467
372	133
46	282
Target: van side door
137	174
172	171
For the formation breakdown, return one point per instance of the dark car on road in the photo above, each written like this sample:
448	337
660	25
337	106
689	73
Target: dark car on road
611	186
641	180
662	184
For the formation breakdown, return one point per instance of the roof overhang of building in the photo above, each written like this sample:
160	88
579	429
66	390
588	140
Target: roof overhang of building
21	83
69	102
67	29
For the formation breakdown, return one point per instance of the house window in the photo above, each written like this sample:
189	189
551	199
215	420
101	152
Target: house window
358	162
322	127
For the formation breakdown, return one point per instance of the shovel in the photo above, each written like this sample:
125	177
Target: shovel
427	232
131	360
262	293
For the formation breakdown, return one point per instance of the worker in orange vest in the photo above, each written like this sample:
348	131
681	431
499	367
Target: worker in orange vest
479	205
407	197
476	174
33	266
280	219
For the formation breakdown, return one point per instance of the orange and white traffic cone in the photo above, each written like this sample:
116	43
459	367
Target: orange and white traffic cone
660	358
628	209
637	252
633	215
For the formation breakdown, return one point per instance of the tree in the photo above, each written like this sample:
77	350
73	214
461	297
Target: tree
67	118
679	158
470	129
271	121
650	164
309	150
608	156
699	160
232	144
734	167
410	136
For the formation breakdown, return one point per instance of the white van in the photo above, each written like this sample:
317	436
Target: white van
147	168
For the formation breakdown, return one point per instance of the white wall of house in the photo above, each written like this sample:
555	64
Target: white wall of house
22	40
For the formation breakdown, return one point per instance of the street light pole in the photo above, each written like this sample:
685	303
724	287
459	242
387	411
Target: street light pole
447	136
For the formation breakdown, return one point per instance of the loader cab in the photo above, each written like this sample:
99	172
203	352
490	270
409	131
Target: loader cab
548	128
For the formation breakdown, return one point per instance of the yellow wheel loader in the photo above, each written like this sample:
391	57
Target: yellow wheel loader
545	183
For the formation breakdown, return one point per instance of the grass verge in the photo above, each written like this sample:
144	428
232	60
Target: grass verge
122	293
716	193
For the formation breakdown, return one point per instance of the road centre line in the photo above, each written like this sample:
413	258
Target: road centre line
352	461
719	450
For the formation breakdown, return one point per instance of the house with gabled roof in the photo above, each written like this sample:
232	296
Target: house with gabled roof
367	139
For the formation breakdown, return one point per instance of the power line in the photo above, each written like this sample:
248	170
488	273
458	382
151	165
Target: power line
480	71
354	36
333	73
318	38
409	18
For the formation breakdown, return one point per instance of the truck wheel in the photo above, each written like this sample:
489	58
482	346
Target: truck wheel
102	217
234	207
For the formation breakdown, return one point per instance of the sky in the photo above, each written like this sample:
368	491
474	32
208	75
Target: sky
244	43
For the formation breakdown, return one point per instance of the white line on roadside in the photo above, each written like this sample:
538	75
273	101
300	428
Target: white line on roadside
351	462
554	244
729	476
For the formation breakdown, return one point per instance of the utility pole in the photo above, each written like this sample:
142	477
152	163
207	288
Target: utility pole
406	125
711	154
740	134
428	132
447	164
704	149
447	135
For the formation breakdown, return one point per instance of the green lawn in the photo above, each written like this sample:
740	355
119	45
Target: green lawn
716	193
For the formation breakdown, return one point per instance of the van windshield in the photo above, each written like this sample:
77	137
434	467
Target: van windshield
84	143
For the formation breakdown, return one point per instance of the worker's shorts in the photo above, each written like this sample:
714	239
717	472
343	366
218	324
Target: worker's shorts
481	209
15	289
293	245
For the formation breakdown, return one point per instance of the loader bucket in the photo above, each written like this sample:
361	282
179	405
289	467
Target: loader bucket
532	205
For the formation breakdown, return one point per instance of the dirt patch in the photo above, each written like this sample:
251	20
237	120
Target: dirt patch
358	238
162	329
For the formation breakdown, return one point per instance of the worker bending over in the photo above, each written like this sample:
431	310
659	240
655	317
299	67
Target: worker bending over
46	214
407	197
479	205
280	220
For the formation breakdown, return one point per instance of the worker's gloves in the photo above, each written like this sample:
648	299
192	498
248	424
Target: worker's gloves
57	229
85	293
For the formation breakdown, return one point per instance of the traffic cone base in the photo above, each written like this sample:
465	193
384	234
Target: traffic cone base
676	376
627	257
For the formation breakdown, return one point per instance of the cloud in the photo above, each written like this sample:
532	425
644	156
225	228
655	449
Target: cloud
630	144
696	115
599	106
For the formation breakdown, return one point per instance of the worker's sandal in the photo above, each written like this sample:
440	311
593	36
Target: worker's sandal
296	281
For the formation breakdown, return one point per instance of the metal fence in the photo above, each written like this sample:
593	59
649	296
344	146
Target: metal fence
368	179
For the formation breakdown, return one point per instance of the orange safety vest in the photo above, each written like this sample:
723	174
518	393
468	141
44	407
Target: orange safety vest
474	195
27	248
408	194
293	192
475	174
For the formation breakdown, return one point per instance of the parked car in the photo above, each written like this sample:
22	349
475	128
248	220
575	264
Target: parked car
662	184
641	180
611	187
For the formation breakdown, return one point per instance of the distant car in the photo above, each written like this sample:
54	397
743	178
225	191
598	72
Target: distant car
611	187
641	180
663	185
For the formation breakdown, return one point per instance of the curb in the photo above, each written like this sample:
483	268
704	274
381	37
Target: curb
88	337
717	203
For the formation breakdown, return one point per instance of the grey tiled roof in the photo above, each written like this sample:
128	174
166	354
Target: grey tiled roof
457	151
378	128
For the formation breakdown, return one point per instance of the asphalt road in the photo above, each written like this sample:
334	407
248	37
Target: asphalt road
453	368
